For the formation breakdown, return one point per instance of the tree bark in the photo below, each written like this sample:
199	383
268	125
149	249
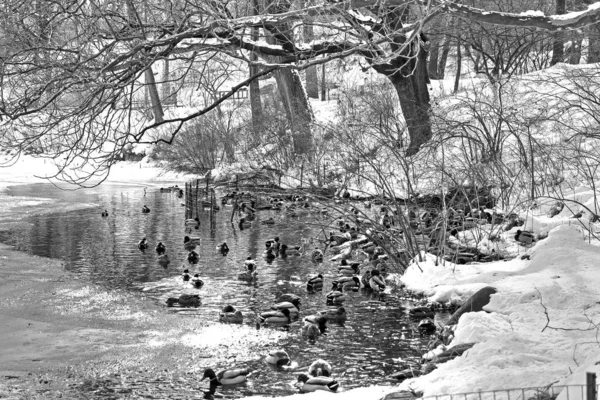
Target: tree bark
575	50
157	110
323	84
312	79
458	62
558	44
166	83
255	100
443	58
594	44
434	52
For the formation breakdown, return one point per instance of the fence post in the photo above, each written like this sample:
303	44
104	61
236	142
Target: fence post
591	386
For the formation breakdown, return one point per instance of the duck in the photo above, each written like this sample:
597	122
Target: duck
186	275
197	282
349	269
317	255
318	320
269	254
185	300
312	384
279	358
230	315
280	297
145	209
524	237
244	224
311	331
275	317
226	377
143	244
426	326
190	243
376	282
193	257
250	273
105	213
160	248
320	367
223	248
315	283
270	221
339	239
192	221
578	215
292	306
273	243
335	297
346	283
289	250
163	259
421	312
366	277
335	314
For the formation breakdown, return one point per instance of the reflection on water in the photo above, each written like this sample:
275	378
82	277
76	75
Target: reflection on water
363	350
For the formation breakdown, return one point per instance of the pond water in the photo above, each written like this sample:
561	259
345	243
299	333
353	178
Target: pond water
363	351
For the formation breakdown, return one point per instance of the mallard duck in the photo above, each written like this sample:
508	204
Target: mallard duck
230	315
145	209
524	237
186	275
270	221
318	320
335	297
273	243
244	224
190	243
366	277
192	222
335	314
143	244
421	312
193	257
426	326
289	250
223	248
339	239
160	248
292	306
185	300
312	384
279	358
315	283
376	282
197	282
275	317
280	297
163	259
346	283
250	273
317	255
349	269
269	254
311	331
226	377
105	213
320	367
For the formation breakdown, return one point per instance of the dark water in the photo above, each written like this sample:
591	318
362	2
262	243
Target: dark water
363	351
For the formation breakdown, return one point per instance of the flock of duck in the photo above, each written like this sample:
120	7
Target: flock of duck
286	309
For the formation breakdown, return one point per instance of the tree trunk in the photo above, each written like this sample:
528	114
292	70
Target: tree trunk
255	101
575	50
558	44
296	107
166	83
458	62
594	44
312	79
323	84
434	51
157	109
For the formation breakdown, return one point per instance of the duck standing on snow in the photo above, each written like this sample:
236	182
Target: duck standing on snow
230	315
143	244
160	248
524	237
312	384
145	209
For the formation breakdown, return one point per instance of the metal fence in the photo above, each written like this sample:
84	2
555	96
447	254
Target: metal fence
567	392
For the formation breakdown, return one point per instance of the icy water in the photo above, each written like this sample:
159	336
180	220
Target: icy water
372	343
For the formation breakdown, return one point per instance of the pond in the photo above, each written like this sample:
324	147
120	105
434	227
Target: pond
104	250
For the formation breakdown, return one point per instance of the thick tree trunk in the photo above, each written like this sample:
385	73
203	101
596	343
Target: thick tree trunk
558	44
255	100
296	108
157	110
312	79
594	44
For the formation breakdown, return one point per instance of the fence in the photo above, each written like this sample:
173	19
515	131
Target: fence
588	391
200	197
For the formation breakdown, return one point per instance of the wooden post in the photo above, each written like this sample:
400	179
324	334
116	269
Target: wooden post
591	386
